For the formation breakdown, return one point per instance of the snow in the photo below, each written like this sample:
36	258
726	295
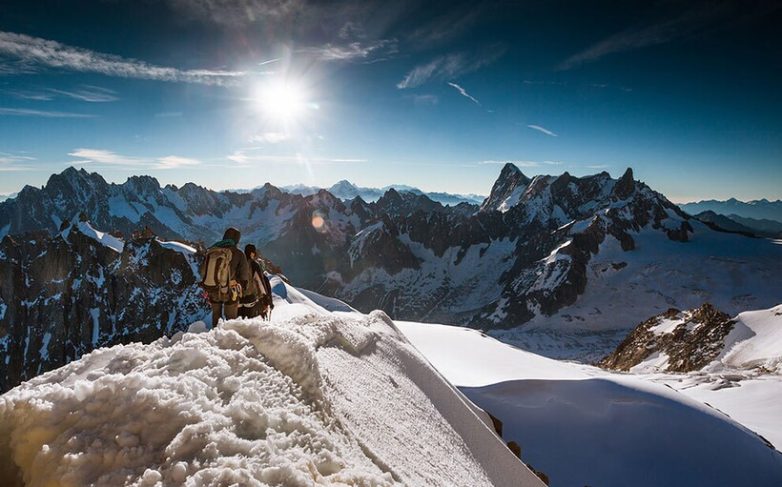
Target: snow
732	272
763	348
312	397
43	352
104	238
666	326
177	246
585	426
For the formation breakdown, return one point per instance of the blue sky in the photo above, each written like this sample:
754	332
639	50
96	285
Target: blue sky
431	94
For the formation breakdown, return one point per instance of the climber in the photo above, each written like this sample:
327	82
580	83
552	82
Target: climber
225	275
257	301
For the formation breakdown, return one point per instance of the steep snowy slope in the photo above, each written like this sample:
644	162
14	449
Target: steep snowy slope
585	426
311	398
732	272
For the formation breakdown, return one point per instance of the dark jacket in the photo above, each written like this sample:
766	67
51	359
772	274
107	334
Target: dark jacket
253	294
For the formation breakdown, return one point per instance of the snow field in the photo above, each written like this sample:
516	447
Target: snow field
585	426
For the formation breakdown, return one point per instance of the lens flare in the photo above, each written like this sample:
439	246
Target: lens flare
318	222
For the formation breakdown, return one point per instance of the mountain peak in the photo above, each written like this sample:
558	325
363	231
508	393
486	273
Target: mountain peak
509	180
624	187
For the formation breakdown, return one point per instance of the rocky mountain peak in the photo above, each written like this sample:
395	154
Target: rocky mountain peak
626	184
505	188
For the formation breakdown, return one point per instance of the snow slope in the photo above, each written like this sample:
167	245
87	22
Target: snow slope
734	273
585	426
745	380
310	398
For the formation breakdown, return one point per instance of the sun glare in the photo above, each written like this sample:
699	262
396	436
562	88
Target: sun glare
282	100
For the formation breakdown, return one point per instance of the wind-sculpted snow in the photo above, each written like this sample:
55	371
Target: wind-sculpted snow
312	398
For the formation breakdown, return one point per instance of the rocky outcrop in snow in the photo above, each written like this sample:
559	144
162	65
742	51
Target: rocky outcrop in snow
63	296
674	341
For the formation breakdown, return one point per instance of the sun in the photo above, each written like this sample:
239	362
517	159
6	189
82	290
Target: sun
283	101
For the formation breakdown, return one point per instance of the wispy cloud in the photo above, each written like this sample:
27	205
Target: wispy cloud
425	99
542	130
464	93
89	93
10	162
249	157
696	20
43	52
24	112
449	66
110	158
354	51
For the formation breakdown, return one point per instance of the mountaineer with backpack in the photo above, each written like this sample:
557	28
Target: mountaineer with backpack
257	301
225	274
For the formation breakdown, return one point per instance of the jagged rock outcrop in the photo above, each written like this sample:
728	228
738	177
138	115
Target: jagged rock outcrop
674	341
64	295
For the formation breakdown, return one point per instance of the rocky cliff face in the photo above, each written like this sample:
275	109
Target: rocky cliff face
62	296
674	341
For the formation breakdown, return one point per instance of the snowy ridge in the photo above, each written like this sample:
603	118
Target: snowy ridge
311	398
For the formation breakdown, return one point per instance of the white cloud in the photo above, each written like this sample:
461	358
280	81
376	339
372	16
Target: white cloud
247	157
10	162
449	66
89	93
542	130
43	52
464	93
110	158
24	112
354	51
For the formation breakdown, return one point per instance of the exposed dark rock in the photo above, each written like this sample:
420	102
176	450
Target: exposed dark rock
691	340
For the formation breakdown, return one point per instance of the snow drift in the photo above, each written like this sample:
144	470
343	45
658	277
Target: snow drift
311	398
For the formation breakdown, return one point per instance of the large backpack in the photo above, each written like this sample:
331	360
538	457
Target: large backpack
216	274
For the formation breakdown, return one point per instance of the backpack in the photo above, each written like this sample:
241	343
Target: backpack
216	274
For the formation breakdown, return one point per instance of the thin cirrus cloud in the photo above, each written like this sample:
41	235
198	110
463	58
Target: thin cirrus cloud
110	158
248	157
703	17
449	66
35	51
543	130
25	112
464	93
354	51
15	162
89	93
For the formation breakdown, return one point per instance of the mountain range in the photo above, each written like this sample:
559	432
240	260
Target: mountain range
762	209
561	265
346	191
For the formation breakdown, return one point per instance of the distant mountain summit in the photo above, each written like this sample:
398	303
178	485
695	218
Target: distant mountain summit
762	209
345	190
